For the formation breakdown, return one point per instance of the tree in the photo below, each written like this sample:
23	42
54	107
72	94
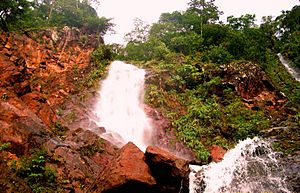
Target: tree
11	11
168	26
186	43
140	32
269	29
206	10
243	22
291	21
290	30
21	14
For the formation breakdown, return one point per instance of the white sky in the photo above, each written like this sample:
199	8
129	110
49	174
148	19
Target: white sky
123	12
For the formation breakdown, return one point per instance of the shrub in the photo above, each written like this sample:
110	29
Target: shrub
4	146
40	178
218	54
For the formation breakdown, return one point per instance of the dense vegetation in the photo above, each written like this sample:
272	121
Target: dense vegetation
25	15
185	52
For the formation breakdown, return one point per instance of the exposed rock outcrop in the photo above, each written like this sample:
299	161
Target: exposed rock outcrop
126	173
132	171
216	153
252	84
33	84
79	157
39	71
170	172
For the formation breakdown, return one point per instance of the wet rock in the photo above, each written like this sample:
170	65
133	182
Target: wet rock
89	143
170	172
126	173
99	130
76	167
291	167
164	136
216	153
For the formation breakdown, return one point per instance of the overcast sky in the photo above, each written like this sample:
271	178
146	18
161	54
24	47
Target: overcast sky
123	12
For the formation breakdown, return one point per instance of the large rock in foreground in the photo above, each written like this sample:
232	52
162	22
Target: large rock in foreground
170	172
126	173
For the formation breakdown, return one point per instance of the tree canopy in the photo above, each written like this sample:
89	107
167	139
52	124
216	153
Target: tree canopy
22	14
198	31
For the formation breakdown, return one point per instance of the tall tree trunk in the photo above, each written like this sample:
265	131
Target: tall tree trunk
51	10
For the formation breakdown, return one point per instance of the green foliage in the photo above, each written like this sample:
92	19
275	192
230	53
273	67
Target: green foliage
26	14
200	118
40	178
243	22
186	85
291	48
290	32
11	12
142	51
186	43
282	79
290	21
100	59
140	32
102	53
186	76
59	130
4	146
207	10
218	55
154	96
214	35
243	122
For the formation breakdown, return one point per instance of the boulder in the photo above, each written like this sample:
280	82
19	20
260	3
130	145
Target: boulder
170	172
19	125
291	165
126	173
216	153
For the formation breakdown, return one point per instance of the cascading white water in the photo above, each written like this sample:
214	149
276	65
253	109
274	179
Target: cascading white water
292	70
250	167
120	107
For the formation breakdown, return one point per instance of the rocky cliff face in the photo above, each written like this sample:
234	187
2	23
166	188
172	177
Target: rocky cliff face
39	71
41	74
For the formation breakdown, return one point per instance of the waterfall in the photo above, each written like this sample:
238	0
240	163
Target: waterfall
250	167
120	106
295	72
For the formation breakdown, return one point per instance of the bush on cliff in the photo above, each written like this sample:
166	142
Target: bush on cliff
41	178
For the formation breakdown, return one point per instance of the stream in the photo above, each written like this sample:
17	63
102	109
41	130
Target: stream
251	166
295	72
